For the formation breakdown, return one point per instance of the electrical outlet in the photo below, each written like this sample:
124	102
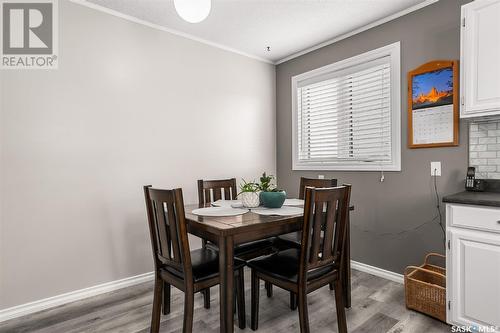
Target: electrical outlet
321	176
435	168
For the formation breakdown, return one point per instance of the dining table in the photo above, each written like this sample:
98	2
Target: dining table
228	231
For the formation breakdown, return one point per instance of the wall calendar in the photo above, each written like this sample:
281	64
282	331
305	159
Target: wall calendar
433	105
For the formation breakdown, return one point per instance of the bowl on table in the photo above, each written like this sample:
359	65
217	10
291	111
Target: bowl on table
273	199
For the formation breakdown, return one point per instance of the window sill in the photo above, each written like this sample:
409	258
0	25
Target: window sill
395	168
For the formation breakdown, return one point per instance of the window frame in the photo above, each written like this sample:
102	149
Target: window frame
394	52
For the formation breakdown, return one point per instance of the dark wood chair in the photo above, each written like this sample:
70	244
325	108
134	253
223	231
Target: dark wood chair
210	191
293	238
175	265
228	187
318	262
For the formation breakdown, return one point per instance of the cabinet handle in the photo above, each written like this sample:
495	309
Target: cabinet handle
498	221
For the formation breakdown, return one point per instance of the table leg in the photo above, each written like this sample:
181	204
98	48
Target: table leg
346	278
226	271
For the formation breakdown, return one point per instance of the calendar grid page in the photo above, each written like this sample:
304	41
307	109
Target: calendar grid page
433	125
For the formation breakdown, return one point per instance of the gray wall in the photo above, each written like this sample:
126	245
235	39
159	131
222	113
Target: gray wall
405	199
128	106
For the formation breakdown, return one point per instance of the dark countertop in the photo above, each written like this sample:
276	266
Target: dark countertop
474	198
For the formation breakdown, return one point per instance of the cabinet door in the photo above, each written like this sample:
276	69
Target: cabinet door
474	278
480	58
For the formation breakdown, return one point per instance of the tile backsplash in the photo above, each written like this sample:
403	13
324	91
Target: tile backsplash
484	148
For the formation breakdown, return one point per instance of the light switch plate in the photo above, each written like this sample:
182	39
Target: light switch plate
435	168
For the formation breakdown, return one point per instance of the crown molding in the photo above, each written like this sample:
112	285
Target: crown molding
358	30
233	50
162	28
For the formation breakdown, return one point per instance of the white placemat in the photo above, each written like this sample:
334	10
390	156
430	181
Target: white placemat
283	211
293	202
228	203
219	211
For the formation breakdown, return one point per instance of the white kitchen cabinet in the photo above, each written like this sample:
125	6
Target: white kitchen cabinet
480	59
473	265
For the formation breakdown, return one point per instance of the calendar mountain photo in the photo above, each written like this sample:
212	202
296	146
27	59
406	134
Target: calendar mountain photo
432	89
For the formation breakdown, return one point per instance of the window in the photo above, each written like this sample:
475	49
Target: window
346	116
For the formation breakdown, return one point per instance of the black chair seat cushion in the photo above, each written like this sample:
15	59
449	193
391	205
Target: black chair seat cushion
291	240
262	246
284	265
250	250
205	263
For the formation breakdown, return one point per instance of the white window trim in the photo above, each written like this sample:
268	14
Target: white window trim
394	52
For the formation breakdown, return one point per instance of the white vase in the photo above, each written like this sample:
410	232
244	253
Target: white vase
250	199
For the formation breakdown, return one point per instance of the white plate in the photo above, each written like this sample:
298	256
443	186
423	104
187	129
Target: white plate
293	202
283	211
228	203
219	211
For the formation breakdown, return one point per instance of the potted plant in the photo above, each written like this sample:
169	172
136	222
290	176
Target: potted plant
249	194
270	196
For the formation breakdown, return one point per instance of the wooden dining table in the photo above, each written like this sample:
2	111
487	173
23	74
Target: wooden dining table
228	231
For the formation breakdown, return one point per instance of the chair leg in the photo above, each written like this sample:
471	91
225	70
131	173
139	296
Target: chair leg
235	289
332	285
339	305
269	288
240	295
293	301
254	321
187	326
303	314
166	298
206	298
155	317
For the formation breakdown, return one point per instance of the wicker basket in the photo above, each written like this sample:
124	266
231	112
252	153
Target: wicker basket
425	288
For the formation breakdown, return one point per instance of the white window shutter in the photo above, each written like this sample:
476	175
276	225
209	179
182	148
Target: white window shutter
345	118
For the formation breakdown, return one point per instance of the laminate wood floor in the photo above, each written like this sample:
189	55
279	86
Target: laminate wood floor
377	307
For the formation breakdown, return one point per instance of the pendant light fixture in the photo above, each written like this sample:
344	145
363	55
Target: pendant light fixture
193	11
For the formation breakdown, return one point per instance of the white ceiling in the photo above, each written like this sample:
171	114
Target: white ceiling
286	26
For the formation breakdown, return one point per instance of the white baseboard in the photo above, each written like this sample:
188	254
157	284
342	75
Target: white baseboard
47	303
388	275
43	304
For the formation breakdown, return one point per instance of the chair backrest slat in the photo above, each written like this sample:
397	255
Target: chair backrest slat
163	235
331	211
325	219
217	193
205	187
208	195
167	228
316	233
314	182
173	233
